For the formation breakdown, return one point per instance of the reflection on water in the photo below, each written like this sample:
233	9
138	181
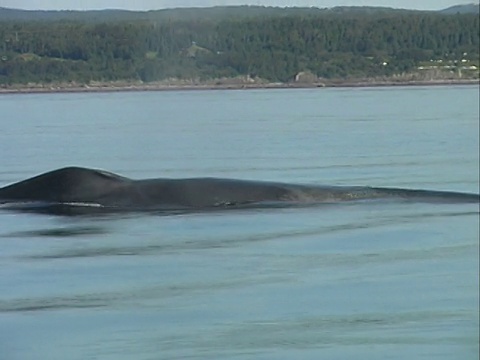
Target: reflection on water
139	296
233	240
62	232
338	330
299	263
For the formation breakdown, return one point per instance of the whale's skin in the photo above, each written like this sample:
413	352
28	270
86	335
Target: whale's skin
97	189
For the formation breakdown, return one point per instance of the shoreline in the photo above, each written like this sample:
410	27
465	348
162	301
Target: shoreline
126	87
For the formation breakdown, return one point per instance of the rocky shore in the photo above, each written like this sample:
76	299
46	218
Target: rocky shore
221	85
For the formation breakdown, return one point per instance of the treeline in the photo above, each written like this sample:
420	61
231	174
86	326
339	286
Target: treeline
212	14
271	47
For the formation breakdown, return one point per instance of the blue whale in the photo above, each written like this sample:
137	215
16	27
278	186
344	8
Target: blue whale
76	190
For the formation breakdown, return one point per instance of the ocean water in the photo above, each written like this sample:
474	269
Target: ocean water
352	280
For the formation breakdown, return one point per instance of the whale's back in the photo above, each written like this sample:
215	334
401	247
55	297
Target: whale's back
70	184
104	191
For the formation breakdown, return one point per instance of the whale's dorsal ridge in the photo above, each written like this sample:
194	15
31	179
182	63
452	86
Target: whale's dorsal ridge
66	184
82	171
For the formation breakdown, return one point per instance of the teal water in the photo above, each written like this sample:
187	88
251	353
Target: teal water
359	280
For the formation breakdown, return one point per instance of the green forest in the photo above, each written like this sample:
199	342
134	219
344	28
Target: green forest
272	46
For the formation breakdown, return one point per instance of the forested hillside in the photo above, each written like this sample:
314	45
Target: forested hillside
276	48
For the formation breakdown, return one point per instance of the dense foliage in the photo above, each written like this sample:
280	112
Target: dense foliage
271	47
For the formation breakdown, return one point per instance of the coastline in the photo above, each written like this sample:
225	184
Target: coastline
134	87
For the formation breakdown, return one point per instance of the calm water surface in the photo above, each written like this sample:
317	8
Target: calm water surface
358	280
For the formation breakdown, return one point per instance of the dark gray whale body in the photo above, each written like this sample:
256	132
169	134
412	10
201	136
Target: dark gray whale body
75	190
